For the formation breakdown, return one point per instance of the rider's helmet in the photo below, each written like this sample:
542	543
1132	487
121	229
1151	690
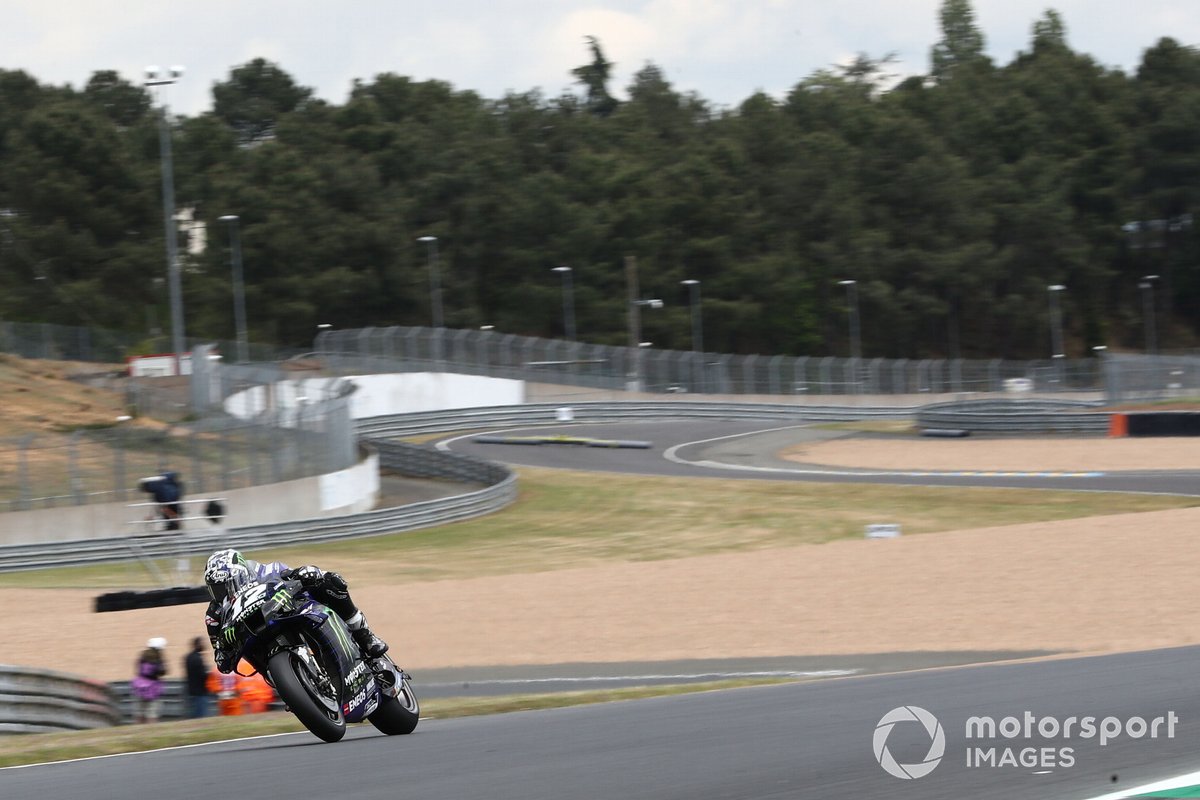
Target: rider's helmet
225	573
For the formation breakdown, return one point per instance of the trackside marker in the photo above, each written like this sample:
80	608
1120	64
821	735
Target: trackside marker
1150	790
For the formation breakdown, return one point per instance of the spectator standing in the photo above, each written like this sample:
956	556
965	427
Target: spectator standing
147	681
195	667
167	491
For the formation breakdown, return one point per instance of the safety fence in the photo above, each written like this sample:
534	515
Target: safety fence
651	370
40	701
216	452
1117	377
101	346
212	455
499	490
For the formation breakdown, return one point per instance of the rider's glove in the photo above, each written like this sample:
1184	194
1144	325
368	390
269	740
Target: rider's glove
308	575
226	661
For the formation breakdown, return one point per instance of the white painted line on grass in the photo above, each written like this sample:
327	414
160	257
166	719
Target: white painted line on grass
152	750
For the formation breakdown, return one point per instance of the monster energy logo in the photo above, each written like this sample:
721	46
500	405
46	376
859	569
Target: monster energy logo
340	630
281	597
230	634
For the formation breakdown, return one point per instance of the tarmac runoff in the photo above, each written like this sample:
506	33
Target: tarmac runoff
754	452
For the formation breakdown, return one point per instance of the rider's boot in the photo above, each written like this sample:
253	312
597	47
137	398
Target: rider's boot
367	641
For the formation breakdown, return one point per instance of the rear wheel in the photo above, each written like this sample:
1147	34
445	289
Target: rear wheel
397	715
305	686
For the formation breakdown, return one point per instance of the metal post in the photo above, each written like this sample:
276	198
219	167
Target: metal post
635	322
435	296
239	292
168	187
568	299
1147	287
1056	332
855	332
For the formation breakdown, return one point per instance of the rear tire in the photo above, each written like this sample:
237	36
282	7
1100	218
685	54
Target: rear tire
320	714
398	715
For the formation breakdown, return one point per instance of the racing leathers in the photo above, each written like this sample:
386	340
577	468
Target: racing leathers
325	587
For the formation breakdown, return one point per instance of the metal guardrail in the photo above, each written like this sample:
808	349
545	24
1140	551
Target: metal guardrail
464	419
40	701
1015	416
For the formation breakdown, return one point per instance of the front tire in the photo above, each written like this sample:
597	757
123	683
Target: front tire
300	689
398	715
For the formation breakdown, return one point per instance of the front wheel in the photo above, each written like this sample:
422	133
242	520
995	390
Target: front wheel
306	688
397	715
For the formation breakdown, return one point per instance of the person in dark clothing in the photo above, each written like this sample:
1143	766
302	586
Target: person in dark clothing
196	669
167	491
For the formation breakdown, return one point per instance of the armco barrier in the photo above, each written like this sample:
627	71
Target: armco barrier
39	701
466	419
1015	416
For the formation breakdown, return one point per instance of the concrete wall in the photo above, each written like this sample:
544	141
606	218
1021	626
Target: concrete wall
395	393
347	491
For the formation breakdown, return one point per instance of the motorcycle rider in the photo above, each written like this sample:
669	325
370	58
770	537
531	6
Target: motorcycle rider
228	571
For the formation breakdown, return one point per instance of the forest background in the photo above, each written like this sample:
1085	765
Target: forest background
953	199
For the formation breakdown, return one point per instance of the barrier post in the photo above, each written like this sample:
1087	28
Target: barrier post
1118	426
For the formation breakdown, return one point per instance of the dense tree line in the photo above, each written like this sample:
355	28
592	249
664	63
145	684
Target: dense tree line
953	199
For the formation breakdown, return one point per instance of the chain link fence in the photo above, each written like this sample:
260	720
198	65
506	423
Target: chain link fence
669	371
182	426
1117	378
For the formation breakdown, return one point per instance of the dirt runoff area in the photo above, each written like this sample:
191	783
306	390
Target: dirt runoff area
1094	585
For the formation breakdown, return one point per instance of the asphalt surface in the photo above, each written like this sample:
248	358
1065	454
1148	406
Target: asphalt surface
807	740
581	676
745	450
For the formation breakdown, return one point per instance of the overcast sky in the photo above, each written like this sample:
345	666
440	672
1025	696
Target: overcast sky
721	49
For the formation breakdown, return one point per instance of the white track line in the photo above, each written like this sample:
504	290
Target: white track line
152	750
819	673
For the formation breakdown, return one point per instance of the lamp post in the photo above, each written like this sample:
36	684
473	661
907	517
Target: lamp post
435	296
697	333
239	290
1147	287
1056	332
855	332
156	78
635	341
568	299
694	300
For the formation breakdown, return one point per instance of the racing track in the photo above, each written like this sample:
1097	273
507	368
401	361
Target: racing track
741	450
808	740
791	741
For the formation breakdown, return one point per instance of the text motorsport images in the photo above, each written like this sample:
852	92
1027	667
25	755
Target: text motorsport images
1029	741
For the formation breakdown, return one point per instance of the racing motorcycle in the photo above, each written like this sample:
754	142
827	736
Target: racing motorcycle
306	652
